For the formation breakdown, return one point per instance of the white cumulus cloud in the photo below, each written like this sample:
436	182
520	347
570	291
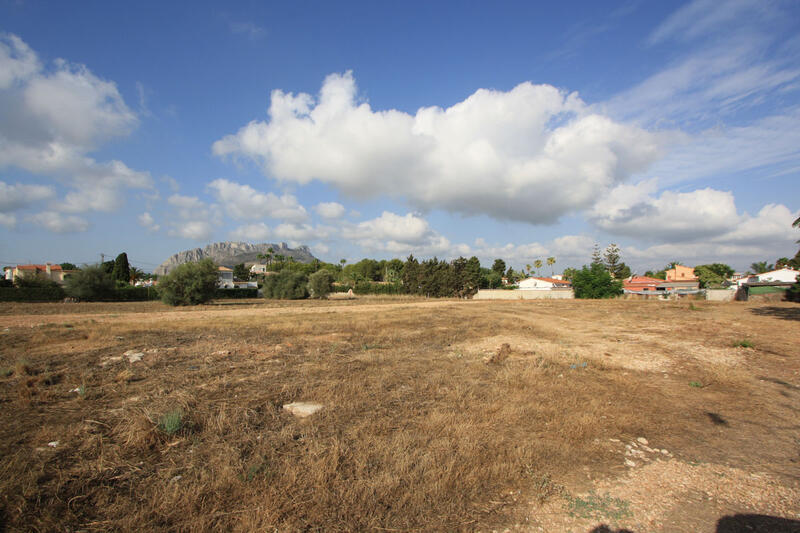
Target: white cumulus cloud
147	221
243	202
330	210
532	153
59	223
54	117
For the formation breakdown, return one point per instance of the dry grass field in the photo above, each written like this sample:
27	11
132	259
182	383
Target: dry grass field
598	416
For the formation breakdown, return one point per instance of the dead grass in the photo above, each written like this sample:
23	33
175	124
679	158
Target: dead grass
418	432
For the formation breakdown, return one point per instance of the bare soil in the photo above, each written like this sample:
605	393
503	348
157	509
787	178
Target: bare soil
438	415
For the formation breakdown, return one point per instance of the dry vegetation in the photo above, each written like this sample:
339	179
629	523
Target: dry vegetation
429	421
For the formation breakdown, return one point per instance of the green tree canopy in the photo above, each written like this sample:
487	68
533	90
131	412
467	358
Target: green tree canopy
90	283
190	283
286	285
241	272
594	281
122	270
320	284
499	266
68	266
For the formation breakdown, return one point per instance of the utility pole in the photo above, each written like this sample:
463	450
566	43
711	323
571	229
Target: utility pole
102	258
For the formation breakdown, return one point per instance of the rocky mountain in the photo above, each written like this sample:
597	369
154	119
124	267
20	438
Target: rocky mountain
232	253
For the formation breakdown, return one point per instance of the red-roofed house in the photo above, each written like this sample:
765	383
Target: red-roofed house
47	270
681	273
641	283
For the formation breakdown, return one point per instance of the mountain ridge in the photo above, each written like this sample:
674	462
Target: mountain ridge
230	253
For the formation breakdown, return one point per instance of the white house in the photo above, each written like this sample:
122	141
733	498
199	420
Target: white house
225	279
258	269
543	284
783	274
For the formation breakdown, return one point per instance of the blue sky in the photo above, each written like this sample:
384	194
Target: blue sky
514	130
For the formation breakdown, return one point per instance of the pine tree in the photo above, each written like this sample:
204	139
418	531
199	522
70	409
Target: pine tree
597	258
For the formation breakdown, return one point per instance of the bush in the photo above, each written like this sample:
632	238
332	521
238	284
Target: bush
793	292
135	294
235	294
189	283
90	283
367	287
595	282
286	285
320	284
31	294
36	281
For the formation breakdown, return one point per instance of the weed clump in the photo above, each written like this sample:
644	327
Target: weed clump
743	344
172	422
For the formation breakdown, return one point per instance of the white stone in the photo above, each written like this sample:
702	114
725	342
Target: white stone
133	356
302	409
630	463
53	444
642	440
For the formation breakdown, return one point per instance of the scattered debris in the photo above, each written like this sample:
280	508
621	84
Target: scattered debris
302	409
222	352
53	443
133	356
110	360
502	354
175	478
124	376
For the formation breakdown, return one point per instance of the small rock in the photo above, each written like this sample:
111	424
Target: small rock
615	440
222	352
53	444
119	338
665	452
302	409
133	356
630	463
642	440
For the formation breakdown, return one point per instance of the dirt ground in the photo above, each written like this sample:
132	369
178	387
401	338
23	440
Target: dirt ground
598	416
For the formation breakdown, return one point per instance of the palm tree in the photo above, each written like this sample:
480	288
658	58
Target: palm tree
528	268
550	262
136	274
761	267
538	264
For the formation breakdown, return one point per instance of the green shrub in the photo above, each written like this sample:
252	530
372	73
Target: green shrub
368	287
235	294
286	285
90	283
36	281
32	294
595	282
135	294
190	283
172	422
320	284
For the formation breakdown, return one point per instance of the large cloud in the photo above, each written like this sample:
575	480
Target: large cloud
635	211
245	203
701	225
532	154
53	118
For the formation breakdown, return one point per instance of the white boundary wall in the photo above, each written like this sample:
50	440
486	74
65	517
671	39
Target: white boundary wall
720	295
500	294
